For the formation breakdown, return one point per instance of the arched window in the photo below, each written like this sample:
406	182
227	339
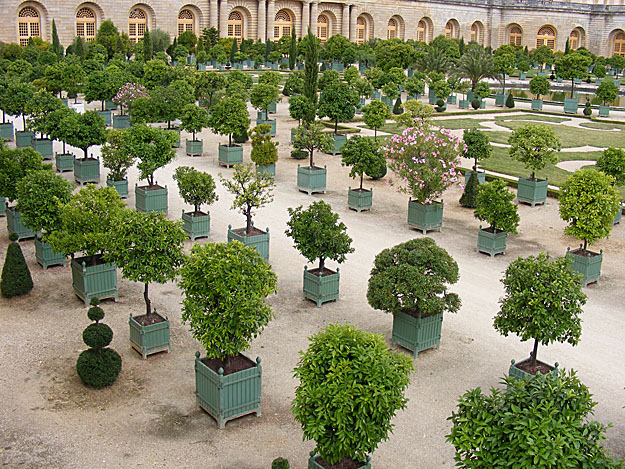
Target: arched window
185	21
323	25
619	44
477	33
361	30
282	24
574	40
515	36
449	30
422	29
28	25
546	37
391	32
137	23
235	26
85	24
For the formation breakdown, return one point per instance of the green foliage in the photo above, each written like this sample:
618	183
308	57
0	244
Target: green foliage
311	73
494	206
14	165
390	90
362	87
280	463
116	155
394	53
510	101
269	78
312	136
469	195
539	86
292	54
412	278
475	104
344	364
95	313
97	335
414	109
57	48
264	150
543	301
607	91
152	146
588	203
377	169
41	195
170	101
338	103
534	145
263	95
414	86
294	84
571	66
225	286
195	187
229	116
188	39
612	163
542	55
86	130
16	98
207	84
86	221
361	154
350	75
397	107
251	190
476	64
299	154
375	115
329	77
194	119
38	109
482	90
478	146
374	76
587	109
539	422
16	279
299	106
318	234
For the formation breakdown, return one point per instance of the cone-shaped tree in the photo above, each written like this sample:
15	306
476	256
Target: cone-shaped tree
16	279
470	191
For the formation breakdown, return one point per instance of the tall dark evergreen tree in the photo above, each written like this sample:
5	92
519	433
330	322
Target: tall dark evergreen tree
148	46
267	50
57	48
233	51
292	50
16	279
311	74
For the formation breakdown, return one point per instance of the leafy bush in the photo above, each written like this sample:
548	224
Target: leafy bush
115	155
16	279
612	163
299	154
494	206
377	168
587	109
343	364
412	278
280	463
440	105
535	146
539	86
475	104
478	146
362	155
469	195
195	187
264	150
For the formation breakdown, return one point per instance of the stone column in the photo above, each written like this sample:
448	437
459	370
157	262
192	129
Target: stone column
262	18
213	15
271	18
223	18
314	14
352	23
345	21
305	17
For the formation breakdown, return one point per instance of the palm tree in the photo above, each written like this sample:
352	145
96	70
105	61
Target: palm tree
475	64
435	60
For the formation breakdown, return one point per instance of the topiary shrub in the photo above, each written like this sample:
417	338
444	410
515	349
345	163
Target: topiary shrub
470	192
280	463
16	279
397	108
377	170
240	138
510	101
587	109
475	104
440	105
98	366
299	154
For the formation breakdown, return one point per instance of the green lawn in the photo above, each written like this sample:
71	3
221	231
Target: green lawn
459	123
533	117
601	125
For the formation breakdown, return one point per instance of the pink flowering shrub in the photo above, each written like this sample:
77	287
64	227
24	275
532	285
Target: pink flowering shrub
424	161
128	93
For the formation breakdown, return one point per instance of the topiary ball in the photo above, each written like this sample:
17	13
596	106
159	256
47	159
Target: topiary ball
377	170
280	463
475	104
16	279
97	335
99	368
587	109
95	313
13	237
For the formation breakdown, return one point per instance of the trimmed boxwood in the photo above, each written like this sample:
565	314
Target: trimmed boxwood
16	279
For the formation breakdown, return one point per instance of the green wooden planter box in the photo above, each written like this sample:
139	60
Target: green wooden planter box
149	199
339	67
417	333
464	104
491	243
64	162
229	156
589	267
321	289
175	130
470	95
270	168
339	143
6	131
388	101
618	216
273	108
93	281
500	99
259	241
228	397
23	139
3	206
542	74
558	79
311	180
532	192
149	339
120	186
293	133
360	200
375	94
520	374
604	111
314	464
537	104
452	99
570	105
16	225
432	98
44	147
107	116
86	170
425	217
270	122
121	122
196	226
481	177
45	256
194	147
522	76
110	106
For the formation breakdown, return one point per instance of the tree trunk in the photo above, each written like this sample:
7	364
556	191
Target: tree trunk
148	303
194	136
267	113
361	177
532	175
229	140
311	159
585	245
103	105
248	216
336	127
572	86
504	83
24	121
85	151
534	353
322	262
475	165
375	134
64	152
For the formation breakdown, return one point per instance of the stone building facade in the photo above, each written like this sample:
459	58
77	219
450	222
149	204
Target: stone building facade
600	27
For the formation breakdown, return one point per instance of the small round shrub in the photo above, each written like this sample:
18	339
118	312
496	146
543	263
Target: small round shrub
16	279
612	162
299	154
95	313
440	105
587	109
377	170
97	335
280	463
99	368
475	104
552	77
240	138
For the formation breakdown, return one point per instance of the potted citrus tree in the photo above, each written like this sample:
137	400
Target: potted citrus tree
612	163
535	146
225	286
478	147
539	86
494	206
425	162
117	159
310	137
59	125
229	116
6	128
361	154
338	102
17	98
41	194
344	364
261	97
153	148
148	249
38	109
194	118
86	223
588	203
86	130
196	188
264	150
299	107
375	114
543	301
607	92
251	190
410	281
318	235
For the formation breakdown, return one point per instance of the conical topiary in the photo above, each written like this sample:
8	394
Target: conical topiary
397	108
510	101
470	192
98	366
280	463
16	279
